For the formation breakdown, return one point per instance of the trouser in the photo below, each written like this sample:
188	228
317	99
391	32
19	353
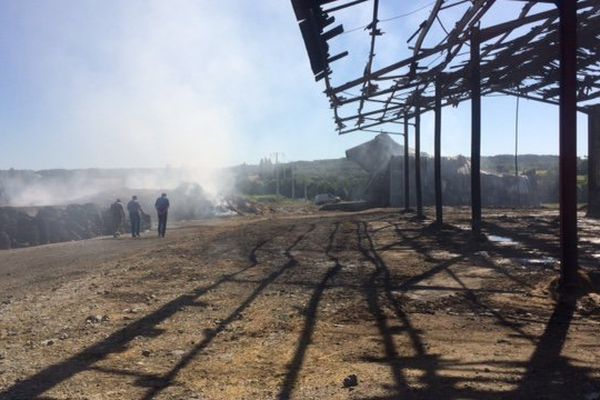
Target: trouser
135	224
116	225
162	224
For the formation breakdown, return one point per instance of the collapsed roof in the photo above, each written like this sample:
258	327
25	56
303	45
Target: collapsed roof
517	57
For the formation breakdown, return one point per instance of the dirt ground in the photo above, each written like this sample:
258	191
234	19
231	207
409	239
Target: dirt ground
293	306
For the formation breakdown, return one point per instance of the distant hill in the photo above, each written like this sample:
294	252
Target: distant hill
341	177
298	179
505	163
317	168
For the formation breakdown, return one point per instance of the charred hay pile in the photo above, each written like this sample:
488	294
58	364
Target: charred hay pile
31	227
89	216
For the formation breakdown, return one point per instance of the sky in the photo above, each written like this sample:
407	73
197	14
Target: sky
203	83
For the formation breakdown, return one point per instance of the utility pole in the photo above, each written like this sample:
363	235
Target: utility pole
305	192
277	173
293	183
277	154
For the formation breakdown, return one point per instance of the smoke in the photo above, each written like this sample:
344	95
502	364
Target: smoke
24	188
129	84
190	84
164	97
150	83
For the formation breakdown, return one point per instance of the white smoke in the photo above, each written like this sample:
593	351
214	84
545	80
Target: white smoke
156	84
62	187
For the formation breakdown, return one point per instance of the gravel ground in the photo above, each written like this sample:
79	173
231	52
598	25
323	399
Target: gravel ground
369	305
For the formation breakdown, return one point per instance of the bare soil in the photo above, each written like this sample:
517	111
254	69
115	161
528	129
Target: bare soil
292	306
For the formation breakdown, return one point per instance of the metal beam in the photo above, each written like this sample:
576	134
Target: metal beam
341	7
432	15
374	33
487	33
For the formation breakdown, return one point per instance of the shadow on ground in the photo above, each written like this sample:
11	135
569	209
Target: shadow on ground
547	374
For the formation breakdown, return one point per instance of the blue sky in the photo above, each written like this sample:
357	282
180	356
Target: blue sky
149	83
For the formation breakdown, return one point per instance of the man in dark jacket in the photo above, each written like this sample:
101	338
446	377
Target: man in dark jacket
162	209
118	216
135	211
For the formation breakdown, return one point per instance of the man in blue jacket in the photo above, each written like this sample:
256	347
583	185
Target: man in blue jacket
135	211
162	209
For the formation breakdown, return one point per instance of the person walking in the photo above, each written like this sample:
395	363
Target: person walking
162	209
135	211
118	216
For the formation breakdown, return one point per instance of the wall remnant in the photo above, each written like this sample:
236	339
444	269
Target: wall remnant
383	158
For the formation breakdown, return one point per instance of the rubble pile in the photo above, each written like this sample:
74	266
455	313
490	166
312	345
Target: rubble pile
244	206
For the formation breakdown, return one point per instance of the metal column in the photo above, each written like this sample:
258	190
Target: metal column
475	133
418	161
437	152
594	162
406	167
568	143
